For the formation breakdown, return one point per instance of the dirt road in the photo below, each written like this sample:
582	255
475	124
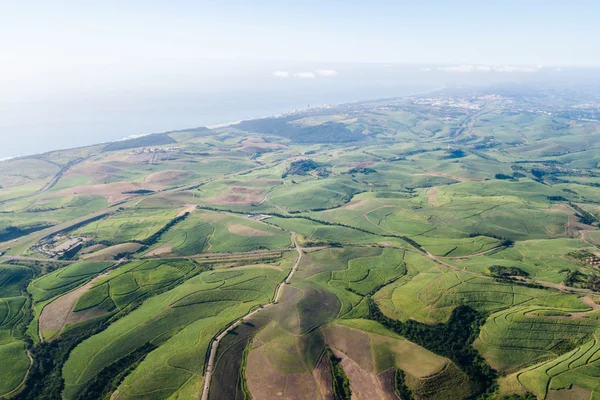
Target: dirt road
215	344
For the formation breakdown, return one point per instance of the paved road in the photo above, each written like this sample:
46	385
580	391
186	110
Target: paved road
215	344
50	184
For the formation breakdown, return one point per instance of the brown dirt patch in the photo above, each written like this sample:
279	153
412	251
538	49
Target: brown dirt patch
561	207
575	393
354	343
387	380
235	200
57	314
432	196
354	204
322	375
243	230
189	208
365	385
108	253
160	250
360	164
246	190
455	177
112	192
167	177
267	181
258	266
93	248
97	171
258	143
267	384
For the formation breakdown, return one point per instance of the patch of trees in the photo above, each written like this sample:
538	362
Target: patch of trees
584	216
453	339
149	241
300	167
581	255
155	139
365	171
139	191
593	282
329	132
455	153
514	176
80	224
69	254
538	173
556	198
502	271
506	242
573	278
376	288
341	383
526	396
402	390
107	380
14	232
45	379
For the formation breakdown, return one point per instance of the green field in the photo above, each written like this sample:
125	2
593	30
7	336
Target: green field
444	245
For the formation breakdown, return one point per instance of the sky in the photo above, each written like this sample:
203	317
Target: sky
75	67
48	44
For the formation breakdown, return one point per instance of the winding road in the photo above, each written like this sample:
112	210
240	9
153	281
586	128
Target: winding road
50	184
217	340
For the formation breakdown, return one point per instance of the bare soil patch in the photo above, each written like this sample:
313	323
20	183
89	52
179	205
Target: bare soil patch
444	175
97	171
189	208
246	190
258	143
235	199
365	385
267	181
112	192
167	177
244	230
160	250
354	343
561	207
387	380
92	248
322	375
361	164
108	253
57	314
354	204
267	384
575	393
432	196
257	266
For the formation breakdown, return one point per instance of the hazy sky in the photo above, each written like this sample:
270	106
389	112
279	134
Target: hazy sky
46	44
79	72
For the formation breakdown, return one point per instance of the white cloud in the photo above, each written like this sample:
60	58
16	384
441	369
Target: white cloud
327	72
426	69
490	68
304	74
281	74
